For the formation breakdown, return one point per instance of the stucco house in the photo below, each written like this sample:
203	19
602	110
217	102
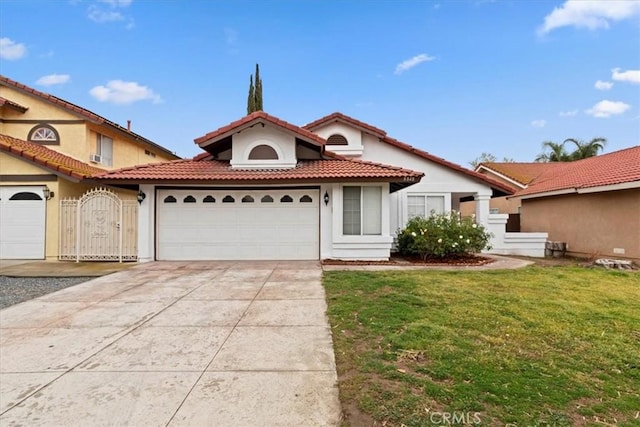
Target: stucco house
267	189
592	204
48	149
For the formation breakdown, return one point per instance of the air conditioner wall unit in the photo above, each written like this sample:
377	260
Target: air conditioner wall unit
95	158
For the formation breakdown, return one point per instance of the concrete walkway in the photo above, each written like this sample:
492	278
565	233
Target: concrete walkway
178	344
54	268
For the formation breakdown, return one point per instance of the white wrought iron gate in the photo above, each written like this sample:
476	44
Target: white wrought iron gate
98	227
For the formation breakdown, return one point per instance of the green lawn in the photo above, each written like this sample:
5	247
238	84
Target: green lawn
532	347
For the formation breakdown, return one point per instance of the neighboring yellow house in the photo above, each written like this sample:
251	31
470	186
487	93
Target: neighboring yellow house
50	147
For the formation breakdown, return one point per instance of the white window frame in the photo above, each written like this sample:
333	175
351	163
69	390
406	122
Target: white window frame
101	144
364	222
446	203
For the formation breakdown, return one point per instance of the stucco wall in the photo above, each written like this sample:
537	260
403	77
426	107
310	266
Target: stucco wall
592	224
78	138
438	180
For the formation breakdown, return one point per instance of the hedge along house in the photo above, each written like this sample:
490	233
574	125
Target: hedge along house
264	189
49	144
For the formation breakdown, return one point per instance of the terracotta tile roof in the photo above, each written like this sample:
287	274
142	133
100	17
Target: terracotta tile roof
257	117
48	158
619	167
328	170
523	173
93	117
475	175
339	117
13	105
384	138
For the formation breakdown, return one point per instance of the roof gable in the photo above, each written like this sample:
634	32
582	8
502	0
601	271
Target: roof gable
343	118
382	137
209	141
47	158
620	169
80	112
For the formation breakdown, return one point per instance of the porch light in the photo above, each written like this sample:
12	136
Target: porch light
48	194
141	196
326	198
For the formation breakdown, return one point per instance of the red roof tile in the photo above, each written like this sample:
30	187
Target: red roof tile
329	170
522	173
48	158
257	117
80	111
619	167
339	117
13	105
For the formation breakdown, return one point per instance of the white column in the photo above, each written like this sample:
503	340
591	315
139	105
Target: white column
482	208
146	221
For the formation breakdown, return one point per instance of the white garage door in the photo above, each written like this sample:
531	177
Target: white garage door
22	222
238	224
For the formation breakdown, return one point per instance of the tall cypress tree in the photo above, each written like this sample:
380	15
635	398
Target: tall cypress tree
254	100
258	89
251	99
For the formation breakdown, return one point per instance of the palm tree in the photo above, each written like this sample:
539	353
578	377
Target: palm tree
558	153
586	149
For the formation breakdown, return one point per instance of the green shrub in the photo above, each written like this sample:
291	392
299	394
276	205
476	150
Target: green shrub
442	236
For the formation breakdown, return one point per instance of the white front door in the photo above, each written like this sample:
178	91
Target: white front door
22	222
263	224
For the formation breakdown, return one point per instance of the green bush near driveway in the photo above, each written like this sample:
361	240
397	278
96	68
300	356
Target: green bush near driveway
442	236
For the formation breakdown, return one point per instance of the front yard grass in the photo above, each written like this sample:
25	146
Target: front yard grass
529	347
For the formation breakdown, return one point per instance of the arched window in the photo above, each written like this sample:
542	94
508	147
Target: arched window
228	199
337	139
169	199
189	199
286	199
25	196
44	134
263	152
209	199
247	199
305	199
267	199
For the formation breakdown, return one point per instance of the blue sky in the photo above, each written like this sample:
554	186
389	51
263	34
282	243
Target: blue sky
455	78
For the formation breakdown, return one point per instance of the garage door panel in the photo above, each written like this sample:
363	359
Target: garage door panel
22	222
249	230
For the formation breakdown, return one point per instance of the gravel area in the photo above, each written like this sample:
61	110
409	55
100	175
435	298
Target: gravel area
14	290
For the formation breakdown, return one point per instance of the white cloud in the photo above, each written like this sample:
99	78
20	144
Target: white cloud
53	79
121	93
601	85
605	108
592	14
570	113
11	50
103	16
412	62
538	123
631	76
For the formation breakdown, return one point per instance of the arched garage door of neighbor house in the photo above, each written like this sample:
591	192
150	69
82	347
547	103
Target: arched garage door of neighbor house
22	222
265	224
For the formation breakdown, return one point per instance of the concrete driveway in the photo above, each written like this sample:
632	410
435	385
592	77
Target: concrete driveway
173	343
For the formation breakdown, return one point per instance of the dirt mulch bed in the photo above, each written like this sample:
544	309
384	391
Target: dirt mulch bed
468	261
